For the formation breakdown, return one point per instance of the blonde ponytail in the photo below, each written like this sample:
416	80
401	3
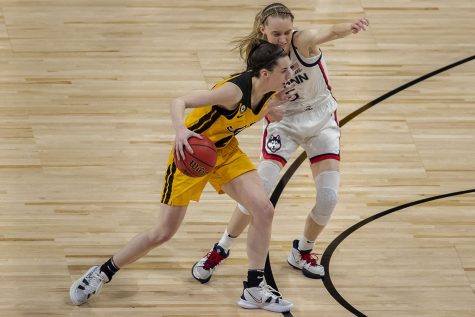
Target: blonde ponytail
244	44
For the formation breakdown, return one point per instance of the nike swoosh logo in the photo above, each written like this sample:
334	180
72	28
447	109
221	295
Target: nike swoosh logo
240	116
255	299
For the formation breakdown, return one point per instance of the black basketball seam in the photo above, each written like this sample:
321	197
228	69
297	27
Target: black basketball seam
203	145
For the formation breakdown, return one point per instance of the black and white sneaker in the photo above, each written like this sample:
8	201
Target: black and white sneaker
87	285
263	297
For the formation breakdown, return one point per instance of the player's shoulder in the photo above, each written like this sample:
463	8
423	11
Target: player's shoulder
228	93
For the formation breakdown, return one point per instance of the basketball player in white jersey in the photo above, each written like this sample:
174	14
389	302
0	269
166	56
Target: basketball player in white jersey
309	121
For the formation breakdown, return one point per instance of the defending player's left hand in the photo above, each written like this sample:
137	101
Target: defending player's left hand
359	25
275	114
288	93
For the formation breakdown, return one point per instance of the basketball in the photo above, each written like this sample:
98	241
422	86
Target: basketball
201	161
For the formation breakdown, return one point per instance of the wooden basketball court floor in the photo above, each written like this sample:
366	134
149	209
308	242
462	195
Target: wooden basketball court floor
85	133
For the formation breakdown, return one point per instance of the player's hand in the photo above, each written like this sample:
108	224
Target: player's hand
275	114
181	141
359	25
286	94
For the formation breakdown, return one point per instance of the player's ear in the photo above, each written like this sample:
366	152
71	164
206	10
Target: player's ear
264	73
261	30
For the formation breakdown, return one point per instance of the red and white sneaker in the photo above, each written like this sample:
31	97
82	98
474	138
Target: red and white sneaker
204	268
305	261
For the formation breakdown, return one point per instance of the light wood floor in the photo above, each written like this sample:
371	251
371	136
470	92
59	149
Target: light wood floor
85	132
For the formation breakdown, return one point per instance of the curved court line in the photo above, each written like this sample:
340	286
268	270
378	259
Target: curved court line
327	281
298	161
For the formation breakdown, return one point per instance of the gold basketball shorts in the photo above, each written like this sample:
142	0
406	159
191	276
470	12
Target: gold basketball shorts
179	189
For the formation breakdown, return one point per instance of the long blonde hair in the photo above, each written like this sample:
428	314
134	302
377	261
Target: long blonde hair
245	43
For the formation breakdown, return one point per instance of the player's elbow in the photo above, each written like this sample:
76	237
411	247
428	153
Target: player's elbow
178	102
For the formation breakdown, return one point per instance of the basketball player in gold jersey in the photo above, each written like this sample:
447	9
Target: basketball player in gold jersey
309	121
220	114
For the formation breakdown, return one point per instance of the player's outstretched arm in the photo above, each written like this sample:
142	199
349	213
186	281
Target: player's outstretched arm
313	38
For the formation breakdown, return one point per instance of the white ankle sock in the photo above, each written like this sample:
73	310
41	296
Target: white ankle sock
305	244
226	240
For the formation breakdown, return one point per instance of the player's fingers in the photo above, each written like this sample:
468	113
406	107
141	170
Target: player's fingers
182	153
292	95
358	27
188	148
290	87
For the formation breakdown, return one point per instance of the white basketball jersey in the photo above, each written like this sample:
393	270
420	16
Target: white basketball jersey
312	85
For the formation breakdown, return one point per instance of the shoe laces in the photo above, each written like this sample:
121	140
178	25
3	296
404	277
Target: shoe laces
95	283
268	291
310	258
213	259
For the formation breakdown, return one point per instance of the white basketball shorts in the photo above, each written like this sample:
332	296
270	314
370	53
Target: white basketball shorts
317	132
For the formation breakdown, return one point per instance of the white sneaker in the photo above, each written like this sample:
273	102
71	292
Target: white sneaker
264	297
204	268
305	261
87	285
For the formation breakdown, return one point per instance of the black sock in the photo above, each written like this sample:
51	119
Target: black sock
254	277
109	268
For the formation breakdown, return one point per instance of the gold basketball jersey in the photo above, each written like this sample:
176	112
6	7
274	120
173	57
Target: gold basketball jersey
221	125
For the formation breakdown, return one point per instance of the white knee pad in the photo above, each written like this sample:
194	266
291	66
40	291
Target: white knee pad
327	195
269	172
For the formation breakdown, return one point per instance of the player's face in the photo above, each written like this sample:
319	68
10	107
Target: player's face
278	31
280	74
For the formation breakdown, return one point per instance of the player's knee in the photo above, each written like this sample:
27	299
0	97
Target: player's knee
326	202
156	238
268	171
327	196
263	211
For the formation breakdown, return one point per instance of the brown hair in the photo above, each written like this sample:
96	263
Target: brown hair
263	55
245	43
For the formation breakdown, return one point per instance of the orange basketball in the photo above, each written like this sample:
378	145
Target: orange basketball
201	161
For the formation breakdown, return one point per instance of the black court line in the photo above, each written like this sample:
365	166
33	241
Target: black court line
327	281
298	161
